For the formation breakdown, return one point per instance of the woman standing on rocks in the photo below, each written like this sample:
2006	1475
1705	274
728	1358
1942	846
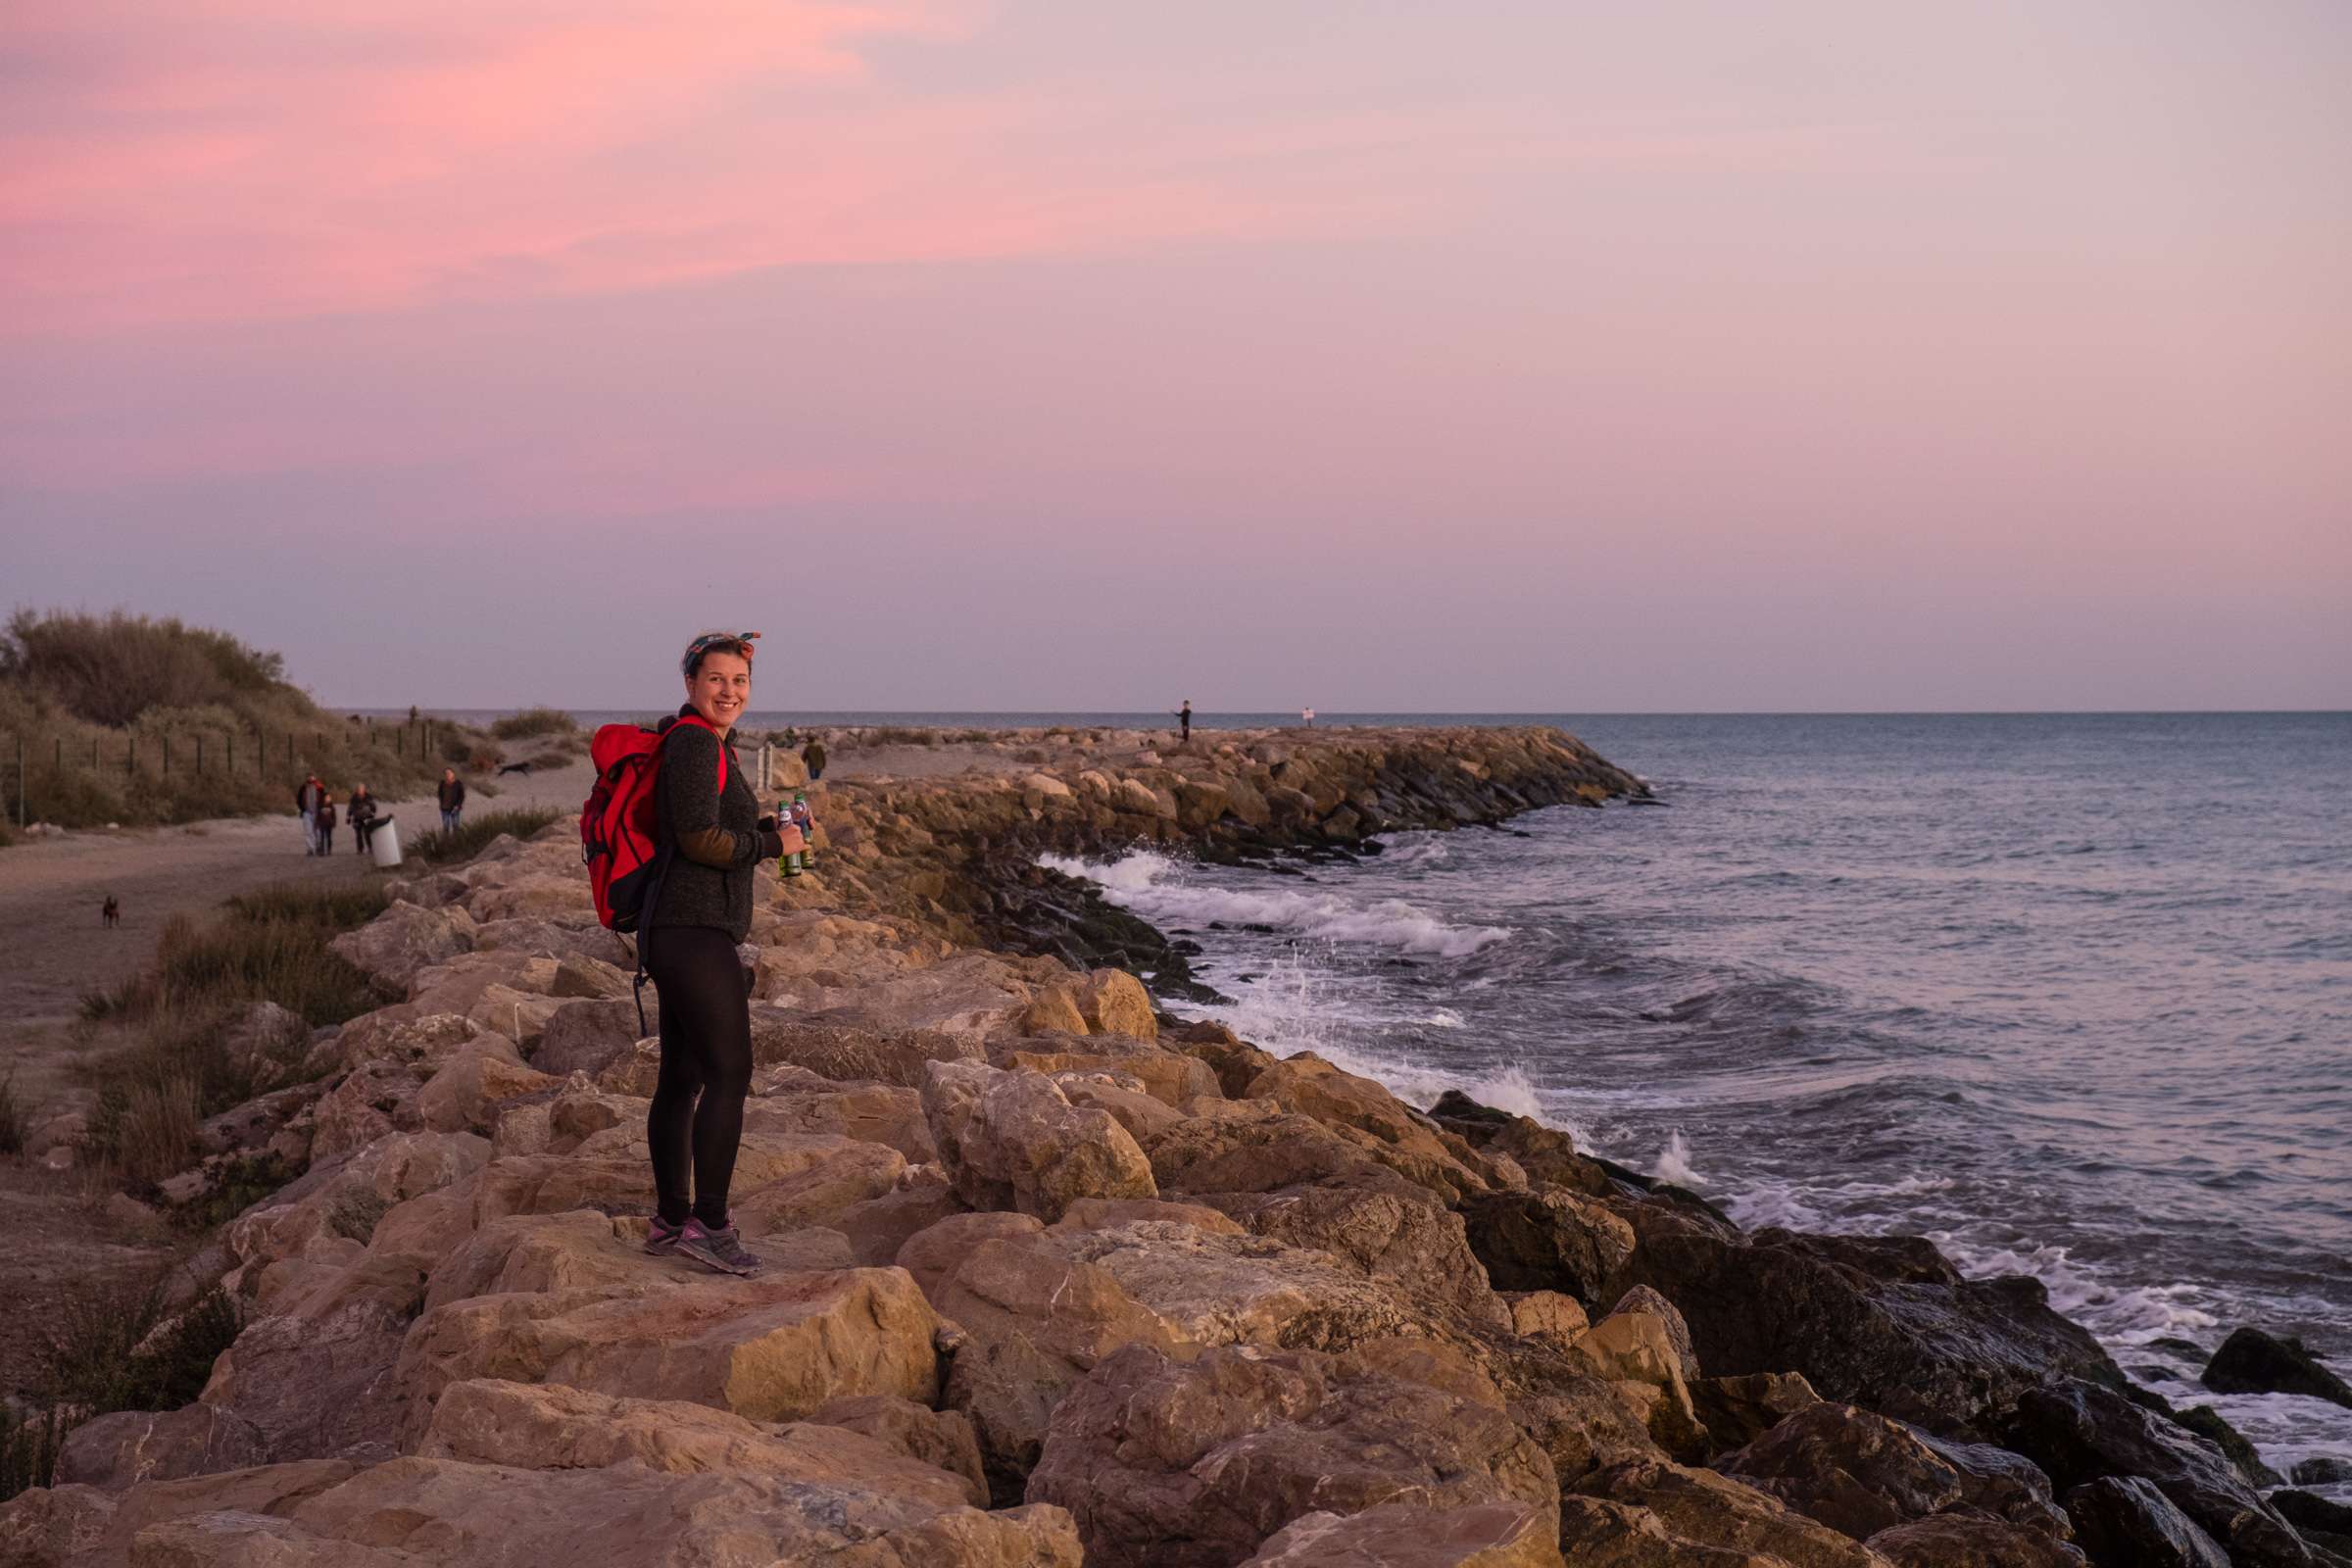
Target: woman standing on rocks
709	828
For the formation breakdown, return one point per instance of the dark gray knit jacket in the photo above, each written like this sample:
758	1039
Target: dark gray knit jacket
717	835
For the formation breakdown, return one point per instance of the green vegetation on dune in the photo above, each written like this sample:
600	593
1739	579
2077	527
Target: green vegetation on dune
186	1064
131	720
474	832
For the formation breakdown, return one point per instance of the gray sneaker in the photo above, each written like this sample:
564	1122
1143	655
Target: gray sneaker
719	1249
662	1237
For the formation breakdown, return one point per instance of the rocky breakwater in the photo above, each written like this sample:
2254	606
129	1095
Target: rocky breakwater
1054	1280
962	850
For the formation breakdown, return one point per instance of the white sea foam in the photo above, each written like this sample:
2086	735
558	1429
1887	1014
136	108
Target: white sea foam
1156	889
1444	1018
1674	1161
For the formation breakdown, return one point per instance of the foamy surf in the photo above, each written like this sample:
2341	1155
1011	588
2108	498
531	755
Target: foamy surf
1158	889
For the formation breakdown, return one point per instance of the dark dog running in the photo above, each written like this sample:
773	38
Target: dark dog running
109	913
525	768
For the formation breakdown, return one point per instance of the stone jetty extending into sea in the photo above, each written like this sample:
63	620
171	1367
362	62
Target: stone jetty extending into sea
1056	1278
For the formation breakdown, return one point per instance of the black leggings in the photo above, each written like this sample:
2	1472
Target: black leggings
705	1069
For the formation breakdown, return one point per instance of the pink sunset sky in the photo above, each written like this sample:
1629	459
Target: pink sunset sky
1534	357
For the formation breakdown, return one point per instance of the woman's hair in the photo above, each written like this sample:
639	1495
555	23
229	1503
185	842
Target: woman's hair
738	643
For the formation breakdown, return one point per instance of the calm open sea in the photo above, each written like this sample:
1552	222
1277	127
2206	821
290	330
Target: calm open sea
2072	995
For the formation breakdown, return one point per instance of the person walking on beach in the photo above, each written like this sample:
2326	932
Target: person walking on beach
307	795
812	756
1306	717
362	812
453	798
709	834
1184	721
325	820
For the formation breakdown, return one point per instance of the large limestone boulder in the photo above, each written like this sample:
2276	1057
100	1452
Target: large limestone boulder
773	1347
2124	1522
1403	1534
443	1513
1883	1323
1651	1512
313	1379
1388	1228
1635	1350
1177	1464
1012	1140
349	1198
117	1451
81	1527
464	1092
589	1035
1969	1541
1545	1154
2081	1433
1170	1077
1399	1136
1547	1238
1113	1001
552	1426
405	941
1862	1474
842	1048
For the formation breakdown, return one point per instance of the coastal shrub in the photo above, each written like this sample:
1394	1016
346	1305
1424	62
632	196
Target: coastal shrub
153	1093
110	1344
14	1128
227	963
898	735
144	722
29	1447
533	722
108	669
475	833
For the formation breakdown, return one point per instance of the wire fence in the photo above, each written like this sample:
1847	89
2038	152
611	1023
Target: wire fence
38	772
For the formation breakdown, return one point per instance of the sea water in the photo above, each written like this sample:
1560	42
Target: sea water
2069	995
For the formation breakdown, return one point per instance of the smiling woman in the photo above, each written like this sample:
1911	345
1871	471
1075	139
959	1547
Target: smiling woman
711	836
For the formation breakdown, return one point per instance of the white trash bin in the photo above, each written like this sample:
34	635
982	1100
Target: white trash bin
384	842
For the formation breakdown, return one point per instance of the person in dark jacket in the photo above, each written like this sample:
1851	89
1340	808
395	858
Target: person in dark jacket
710	835
362	812
307	795
453	798
813	755
323	819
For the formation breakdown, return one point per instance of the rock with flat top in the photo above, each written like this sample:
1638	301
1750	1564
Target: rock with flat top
1482	1535
1012	1140
1194	1464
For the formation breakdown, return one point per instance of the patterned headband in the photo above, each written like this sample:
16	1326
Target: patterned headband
711	639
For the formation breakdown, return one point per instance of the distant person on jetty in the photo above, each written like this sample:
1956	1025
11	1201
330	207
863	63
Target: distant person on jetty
362	812
1184	721
325	820
813	756
1306	717
709	834
307	795
453	798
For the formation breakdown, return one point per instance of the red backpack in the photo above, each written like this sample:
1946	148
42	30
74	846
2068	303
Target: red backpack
616	826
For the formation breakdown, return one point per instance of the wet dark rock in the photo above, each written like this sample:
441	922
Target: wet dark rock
2319	1521
1545	1154
2251	1361
1971	1541
2208	1423
1884	1324
2124	1522
1547	1240
2080	1433
2321	1472
1861	1473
